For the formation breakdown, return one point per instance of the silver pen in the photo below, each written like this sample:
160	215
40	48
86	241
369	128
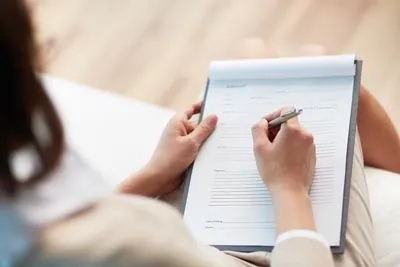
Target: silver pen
294	112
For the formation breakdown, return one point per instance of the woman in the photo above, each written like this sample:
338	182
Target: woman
130	229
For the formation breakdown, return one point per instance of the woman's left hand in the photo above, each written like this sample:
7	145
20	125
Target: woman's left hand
177	149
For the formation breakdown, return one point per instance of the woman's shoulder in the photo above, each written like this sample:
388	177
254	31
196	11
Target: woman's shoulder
137	213
132	215
115	224
123	230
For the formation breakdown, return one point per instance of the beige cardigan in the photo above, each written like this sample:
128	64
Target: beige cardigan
137	231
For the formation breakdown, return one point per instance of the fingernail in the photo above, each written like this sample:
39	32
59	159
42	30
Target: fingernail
212	119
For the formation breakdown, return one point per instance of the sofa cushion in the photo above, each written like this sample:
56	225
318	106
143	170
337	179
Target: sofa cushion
384	191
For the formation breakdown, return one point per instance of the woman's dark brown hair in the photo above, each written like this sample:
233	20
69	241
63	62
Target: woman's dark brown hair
23	102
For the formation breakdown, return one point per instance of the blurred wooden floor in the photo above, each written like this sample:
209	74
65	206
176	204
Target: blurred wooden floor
158	50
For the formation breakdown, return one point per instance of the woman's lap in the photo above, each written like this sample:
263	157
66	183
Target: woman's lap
359	249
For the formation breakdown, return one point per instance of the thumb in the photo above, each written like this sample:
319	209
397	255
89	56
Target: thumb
204	129
260	135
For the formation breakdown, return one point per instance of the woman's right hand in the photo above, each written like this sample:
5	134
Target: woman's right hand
285	157
286	162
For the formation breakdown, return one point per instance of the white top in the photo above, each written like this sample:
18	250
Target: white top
302	233
71	187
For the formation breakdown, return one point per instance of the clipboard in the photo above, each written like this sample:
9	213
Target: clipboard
348	174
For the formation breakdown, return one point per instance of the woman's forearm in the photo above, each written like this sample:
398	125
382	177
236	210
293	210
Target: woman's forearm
293	211
140	183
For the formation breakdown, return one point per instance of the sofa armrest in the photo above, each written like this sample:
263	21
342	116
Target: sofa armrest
115	135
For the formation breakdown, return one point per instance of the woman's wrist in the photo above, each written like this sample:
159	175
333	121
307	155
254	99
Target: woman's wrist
142	183
300	196
297	190
293	209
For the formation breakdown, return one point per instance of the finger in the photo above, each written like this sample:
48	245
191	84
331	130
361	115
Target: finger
204	129
273	115
194	109
277	113
306	132
272	133
292	121
197	107
259	132
190	126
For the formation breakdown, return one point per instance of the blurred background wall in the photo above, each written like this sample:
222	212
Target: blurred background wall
158	50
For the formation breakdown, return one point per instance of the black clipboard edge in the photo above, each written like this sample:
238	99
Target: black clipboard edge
189	171
349	157
349	169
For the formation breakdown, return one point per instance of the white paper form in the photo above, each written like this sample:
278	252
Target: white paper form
227	203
